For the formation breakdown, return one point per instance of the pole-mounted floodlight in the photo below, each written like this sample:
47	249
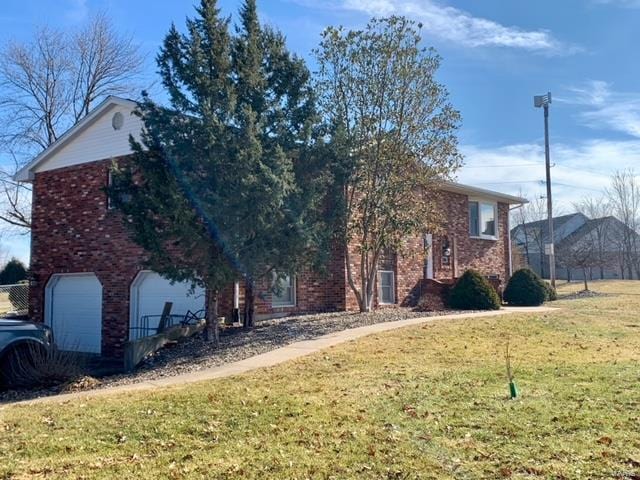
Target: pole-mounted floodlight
543	101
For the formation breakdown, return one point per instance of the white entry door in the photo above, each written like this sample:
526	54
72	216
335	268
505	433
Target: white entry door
73	309
428	247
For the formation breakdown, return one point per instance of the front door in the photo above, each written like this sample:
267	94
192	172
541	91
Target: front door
428	252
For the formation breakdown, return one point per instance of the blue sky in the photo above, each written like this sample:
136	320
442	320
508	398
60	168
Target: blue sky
497	55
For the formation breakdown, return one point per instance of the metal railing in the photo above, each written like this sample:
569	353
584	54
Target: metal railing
14	299
148	325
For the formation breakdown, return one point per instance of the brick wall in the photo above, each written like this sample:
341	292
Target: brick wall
73	231
489	257
315	291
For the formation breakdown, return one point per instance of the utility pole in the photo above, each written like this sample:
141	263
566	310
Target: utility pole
544	101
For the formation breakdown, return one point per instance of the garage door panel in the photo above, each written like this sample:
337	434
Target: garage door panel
75	312
150	292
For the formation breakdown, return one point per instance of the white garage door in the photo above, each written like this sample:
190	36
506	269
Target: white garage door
150	291
74	312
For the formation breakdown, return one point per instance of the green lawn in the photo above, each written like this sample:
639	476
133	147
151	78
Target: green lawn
421	402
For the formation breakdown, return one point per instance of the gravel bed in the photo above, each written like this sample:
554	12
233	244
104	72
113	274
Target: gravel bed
193	354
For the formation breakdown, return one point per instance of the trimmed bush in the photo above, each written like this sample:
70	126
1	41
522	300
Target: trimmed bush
526	289
552	295
473	292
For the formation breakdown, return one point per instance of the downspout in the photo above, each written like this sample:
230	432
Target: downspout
509	237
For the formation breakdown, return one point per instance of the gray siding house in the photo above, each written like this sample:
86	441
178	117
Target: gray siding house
607	239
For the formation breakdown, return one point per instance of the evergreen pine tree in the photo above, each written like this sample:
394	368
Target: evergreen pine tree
275	112
13	272
216	190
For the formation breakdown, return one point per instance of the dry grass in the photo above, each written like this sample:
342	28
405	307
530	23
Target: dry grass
422	402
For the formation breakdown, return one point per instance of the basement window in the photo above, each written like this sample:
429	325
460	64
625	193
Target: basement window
482	219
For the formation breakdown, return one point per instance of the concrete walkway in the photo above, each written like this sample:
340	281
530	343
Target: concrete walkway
274	357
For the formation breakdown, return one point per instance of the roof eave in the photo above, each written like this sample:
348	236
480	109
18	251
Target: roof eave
482	192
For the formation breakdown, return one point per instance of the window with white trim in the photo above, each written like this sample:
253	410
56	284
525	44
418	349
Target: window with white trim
386	287
283	293
482	219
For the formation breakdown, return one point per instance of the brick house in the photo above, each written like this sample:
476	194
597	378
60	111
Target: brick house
87	276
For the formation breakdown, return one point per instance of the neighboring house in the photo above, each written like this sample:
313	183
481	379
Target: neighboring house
87	279
599	241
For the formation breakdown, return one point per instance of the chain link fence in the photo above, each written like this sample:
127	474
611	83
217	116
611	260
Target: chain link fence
14	299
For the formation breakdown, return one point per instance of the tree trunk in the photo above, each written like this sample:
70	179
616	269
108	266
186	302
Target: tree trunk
352	283
212	327
584	274
249	304
365	305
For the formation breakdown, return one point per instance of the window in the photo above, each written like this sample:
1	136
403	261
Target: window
386	287
284	292
482	219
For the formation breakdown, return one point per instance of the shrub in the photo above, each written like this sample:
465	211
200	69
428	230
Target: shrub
473	292
30	365
552	295
526	288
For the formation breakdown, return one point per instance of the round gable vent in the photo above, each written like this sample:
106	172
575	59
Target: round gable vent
117	121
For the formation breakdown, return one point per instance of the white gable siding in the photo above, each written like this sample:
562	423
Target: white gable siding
98	141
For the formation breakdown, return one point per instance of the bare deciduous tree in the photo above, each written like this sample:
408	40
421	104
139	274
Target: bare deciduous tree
598	209
624	196
581	254
49	83
532	235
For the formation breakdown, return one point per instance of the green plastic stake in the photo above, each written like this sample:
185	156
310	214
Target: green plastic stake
513	390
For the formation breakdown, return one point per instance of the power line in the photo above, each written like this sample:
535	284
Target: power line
502	165
540	182
531	164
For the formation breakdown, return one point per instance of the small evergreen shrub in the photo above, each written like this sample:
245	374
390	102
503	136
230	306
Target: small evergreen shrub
552	295
526	289
473	292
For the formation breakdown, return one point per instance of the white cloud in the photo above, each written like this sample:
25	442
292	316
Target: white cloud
592	93
606	108
622	116
582	169
460	27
